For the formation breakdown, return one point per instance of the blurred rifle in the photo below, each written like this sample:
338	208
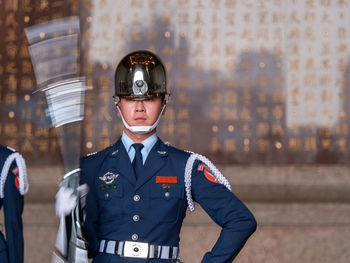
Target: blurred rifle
55	57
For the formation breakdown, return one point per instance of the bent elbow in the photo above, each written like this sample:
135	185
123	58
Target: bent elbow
252	225
249	224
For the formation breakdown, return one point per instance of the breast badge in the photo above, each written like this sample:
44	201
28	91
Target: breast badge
166	186
108	178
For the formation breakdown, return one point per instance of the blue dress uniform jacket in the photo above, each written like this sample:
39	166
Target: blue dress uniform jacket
11	249
158	200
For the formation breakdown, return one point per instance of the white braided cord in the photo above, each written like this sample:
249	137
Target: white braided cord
188	175
22	171
23	177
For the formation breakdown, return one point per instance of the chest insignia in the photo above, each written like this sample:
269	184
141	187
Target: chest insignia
162	152
108	177
166	179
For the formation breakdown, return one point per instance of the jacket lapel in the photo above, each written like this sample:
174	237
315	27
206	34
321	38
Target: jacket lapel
119	160
155	161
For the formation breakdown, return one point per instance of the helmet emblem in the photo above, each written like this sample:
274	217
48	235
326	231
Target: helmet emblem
139	83
139	87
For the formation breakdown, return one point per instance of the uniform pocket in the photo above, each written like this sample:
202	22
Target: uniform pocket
110	197
165	203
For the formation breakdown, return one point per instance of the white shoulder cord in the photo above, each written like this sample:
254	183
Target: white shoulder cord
22	171
188	175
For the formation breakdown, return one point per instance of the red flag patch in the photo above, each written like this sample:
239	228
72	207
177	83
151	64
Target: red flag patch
200	167
15	170
166	179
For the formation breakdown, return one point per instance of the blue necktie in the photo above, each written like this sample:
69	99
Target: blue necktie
137	163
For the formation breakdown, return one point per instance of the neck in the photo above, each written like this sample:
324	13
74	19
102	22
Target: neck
137	138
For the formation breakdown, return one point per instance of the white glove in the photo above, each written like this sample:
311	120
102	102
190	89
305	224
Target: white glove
65	201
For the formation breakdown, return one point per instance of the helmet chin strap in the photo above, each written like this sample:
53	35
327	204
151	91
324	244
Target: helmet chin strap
141	129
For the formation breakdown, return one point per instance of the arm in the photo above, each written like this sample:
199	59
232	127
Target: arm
13	208
226	210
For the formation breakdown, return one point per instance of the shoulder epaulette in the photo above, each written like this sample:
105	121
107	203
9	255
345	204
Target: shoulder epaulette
11	149
99	153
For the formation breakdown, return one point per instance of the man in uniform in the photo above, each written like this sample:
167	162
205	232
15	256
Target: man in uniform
13	185
140	188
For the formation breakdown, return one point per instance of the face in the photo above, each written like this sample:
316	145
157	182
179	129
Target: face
141	112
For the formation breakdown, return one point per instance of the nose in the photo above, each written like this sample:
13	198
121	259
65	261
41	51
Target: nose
139	106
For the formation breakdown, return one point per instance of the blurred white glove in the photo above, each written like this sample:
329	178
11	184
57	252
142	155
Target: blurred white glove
65	201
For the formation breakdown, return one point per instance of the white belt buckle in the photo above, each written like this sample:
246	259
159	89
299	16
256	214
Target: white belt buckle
135	249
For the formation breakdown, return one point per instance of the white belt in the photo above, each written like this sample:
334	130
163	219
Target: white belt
138	249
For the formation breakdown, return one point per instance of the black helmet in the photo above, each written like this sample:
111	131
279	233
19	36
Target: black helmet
140	75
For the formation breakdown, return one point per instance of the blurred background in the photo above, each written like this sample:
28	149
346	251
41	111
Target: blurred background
262	88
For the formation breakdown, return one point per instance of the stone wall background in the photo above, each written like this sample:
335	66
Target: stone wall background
262	82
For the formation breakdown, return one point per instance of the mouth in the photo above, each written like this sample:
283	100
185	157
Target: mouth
140	120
